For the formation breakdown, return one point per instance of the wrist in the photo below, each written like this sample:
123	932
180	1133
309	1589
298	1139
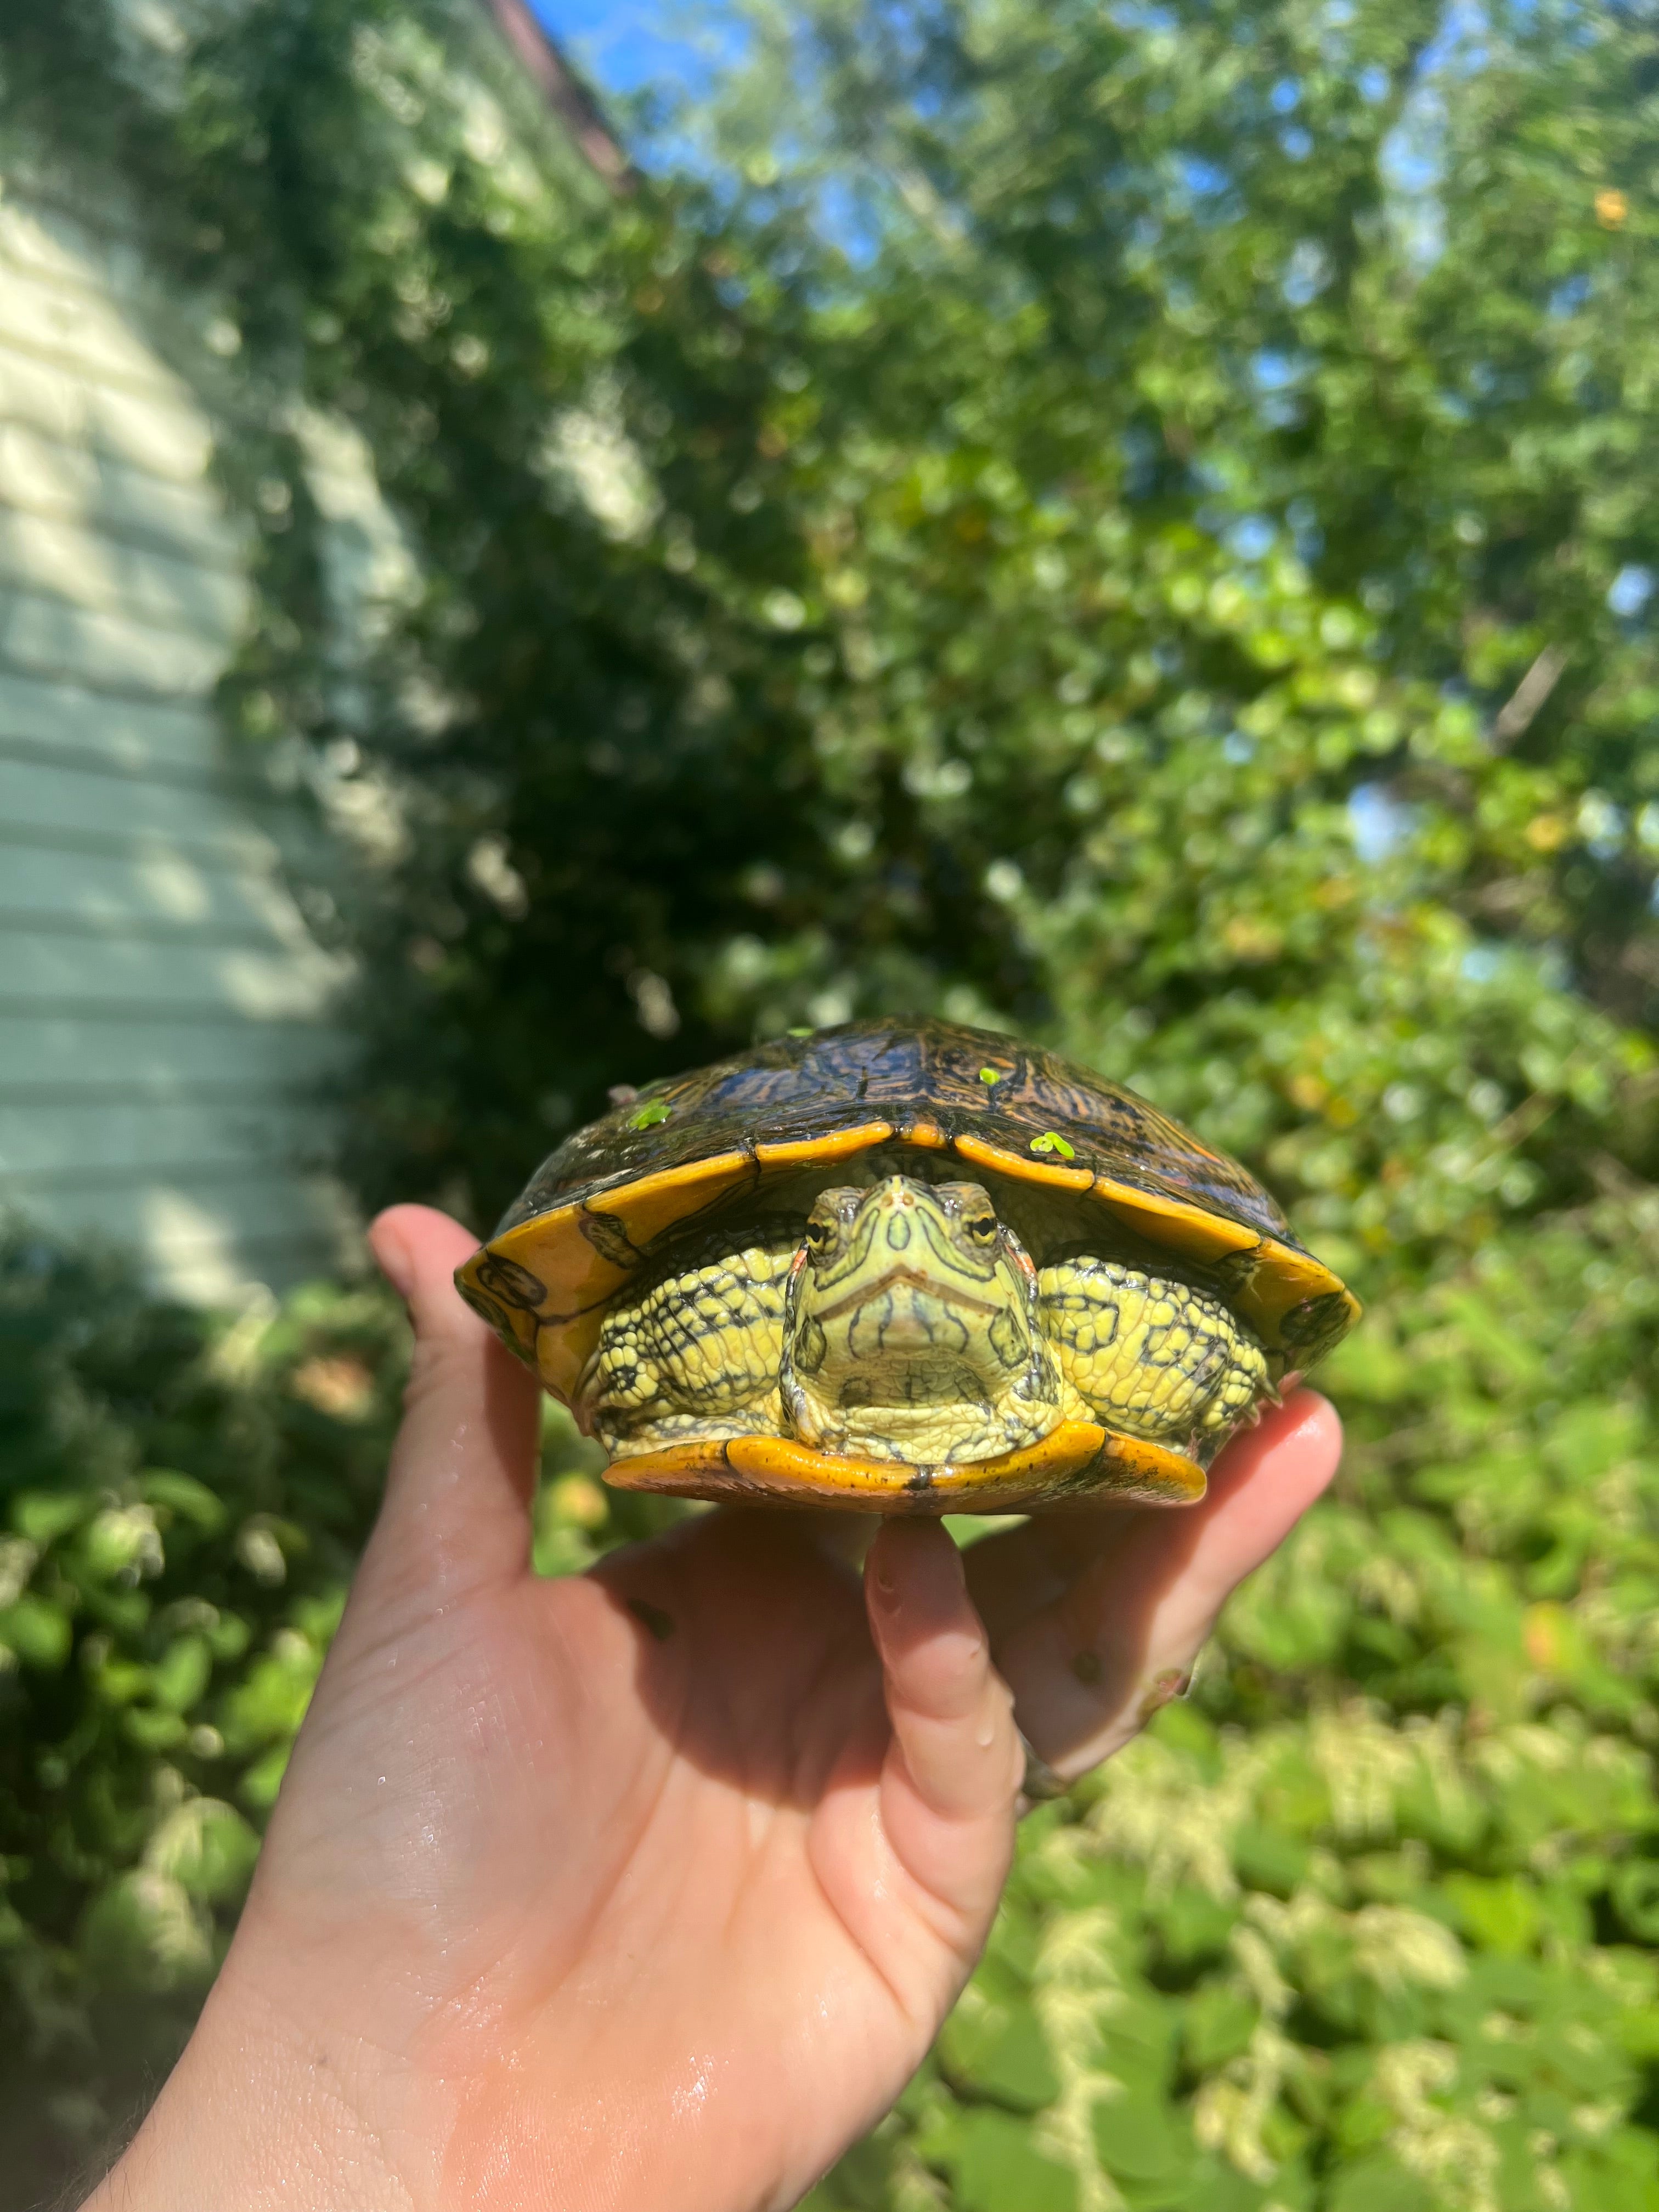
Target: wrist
261	2113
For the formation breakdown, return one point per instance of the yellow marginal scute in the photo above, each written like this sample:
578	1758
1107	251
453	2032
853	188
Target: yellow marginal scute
653	1203
1079	1460
521	1324
841	1146
568	1256
563	1349
580	1275
1285	1279
579	1281
1021	1164
1175	1223
1154	1474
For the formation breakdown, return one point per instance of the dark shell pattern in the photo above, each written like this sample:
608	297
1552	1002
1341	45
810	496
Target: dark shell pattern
798	1089
697	1148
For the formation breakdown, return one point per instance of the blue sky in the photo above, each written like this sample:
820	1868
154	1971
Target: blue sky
623	45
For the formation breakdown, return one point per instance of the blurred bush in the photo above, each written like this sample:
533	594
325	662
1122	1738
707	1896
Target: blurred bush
1139	525
182	1504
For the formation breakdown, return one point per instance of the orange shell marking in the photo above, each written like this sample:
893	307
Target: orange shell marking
922	1132
840	1146
558	1249
1023	1165
758	1470
653	1203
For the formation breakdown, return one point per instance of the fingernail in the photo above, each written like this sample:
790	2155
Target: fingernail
1169	1682
878	1567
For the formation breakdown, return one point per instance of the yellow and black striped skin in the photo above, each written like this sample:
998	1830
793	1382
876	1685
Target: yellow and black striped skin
694	1351
891	1335
1151	1355
601	1219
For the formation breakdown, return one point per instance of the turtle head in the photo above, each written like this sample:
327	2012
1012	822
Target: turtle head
911	1329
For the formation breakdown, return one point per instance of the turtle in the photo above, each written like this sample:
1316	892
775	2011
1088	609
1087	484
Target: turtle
903	1266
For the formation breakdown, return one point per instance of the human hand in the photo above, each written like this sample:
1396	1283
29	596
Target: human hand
649	1888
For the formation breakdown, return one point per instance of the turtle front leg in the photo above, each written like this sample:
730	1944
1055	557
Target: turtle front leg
1149	1356
691	1354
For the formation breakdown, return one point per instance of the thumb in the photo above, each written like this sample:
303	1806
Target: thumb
457	1506
955	1762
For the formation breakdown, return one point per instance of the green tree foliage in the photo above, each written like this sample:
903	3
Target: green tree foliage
1138	525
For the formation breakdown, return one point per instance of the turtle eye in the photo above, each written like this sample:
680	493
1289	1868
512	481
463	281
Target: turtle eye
820	1235
981	1228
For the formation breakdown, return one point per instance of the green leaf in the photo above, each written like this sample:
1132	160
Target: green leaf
152	1730
999	2052
1049	1142
206	1847
1499	1915
38	1631
1139	2139
1635	1888
1268	1860
228	1637
45	1515
1193	1924
1216	2025
192	1500
1377	2185
649	1115
261	1781
142	1933
995	2168
181	1675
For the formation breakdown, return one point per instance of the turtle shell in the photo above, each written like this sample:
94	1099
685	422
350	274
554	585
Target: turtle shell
675	1151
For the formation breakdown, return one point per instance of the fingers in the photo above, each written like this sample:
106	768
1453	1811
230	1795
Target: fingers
955	1762
457	1505
1094	1652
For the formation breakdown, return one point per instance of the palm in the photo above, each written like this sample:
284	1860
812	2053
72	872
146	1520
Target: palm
672	1870
653	1846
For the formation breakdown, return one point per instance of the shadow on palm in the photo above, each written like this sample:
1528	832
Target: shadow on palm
754	1656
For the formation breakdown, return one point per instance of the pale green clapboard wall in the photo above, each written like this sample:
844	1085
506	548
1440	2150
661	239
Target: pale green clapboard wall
168	1023
165	1012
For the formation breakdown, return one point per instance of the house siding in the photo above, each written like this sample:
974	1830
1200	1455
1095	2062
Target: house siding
166	1018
